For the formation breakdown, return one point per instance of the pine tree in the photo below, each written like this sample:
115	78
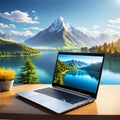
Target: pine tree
28	73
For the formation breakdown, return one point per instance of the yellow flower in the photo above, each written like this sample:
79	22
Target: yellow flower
6	74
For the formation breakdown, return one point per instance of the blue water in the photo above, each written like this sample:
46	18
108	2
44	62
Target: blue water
109	77
80	79
111	71
45	64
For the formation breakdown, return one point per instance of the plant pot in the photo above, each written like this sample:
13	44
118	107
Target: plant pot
6	85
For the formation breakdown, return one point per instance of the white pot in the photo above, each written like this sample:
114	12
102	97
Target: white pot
6	85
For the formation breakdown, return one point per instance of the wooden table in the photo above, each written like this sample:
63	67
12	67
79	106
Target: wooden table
107	102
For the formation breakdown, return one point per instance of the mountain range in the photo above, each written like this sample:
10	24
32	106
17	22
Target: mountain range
62	34
82	65
75	63
92	69
106	38
96	67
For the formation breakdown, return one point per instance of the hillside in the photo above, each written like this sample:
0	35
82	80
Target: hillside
93	70
60	71
12	48
93	67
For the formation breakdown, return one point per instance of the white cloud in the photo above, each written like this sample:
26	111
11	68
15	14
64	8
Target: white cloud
115	21
18	16
3	25
92	33
36	18
83	29
33	28
7	25
26	33
114	26
110	31
95	27
33	11
12	26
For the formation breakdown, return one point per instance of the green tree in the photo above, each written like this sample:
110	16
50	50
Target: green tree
105	47
28	73
112	45
84	49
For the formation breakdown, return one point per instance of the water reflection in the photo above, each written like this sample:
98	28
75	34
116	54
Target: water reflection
112	64
111	71
79	72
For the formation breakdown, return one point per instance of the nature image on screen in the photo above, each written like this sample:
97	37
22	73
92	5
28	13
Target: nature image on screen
80	72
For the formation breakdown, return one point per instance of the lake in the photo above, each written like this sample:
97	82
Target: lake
81	79
45	64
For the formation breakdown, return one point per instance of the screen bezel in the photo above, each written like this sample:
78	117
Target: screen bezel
94	95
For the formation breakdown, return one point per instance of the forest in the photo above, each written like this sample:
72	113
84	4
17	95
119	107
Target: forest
60	71
110	49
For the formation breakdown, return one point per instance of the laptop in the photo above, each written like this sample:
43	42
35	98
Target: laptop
75	82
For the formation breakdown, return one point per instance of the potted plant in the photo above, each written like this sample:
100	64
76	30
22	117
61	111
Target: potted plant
6	79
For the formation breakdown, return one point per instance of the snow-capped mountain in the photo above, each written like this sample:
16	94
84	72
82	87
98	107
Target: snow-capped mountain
60	34
58	25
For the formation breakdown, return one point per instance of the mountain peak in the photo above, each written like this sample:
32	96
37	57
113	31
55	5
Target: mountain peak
60	34
60	18
58	25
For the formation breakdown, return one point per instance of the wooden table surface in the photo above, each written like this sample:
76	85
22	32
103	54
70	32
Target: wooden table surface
107	102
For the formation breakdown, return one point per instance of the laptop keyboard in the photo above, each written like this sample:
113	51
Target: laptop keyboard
61	95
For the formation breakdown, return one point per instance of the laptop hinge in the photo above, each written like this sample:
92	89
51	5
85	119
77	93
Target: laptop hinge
72	91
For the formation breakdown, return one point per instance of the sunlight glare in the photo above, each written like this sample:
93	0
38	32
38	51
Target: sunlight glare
118	2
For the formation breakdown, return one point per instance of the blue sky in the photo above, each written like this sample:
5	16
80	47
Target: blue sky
28	17
86	59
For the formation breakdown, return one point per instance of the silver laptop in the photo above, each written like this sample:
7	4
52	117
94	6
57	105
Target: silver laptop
75	82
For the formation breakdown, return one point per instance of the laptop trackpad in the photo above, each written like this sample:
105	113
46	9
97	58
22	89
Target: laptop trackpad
51	103
39	98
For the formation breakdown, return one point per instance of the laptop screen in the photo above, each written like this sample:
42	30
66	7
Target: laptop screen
78	71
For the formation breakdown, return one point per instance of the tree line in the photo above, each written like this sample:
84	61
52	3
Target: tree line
107	48
18	53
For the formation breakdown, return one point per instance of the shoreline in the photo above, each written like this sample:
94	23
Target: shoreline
2	56
63	73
